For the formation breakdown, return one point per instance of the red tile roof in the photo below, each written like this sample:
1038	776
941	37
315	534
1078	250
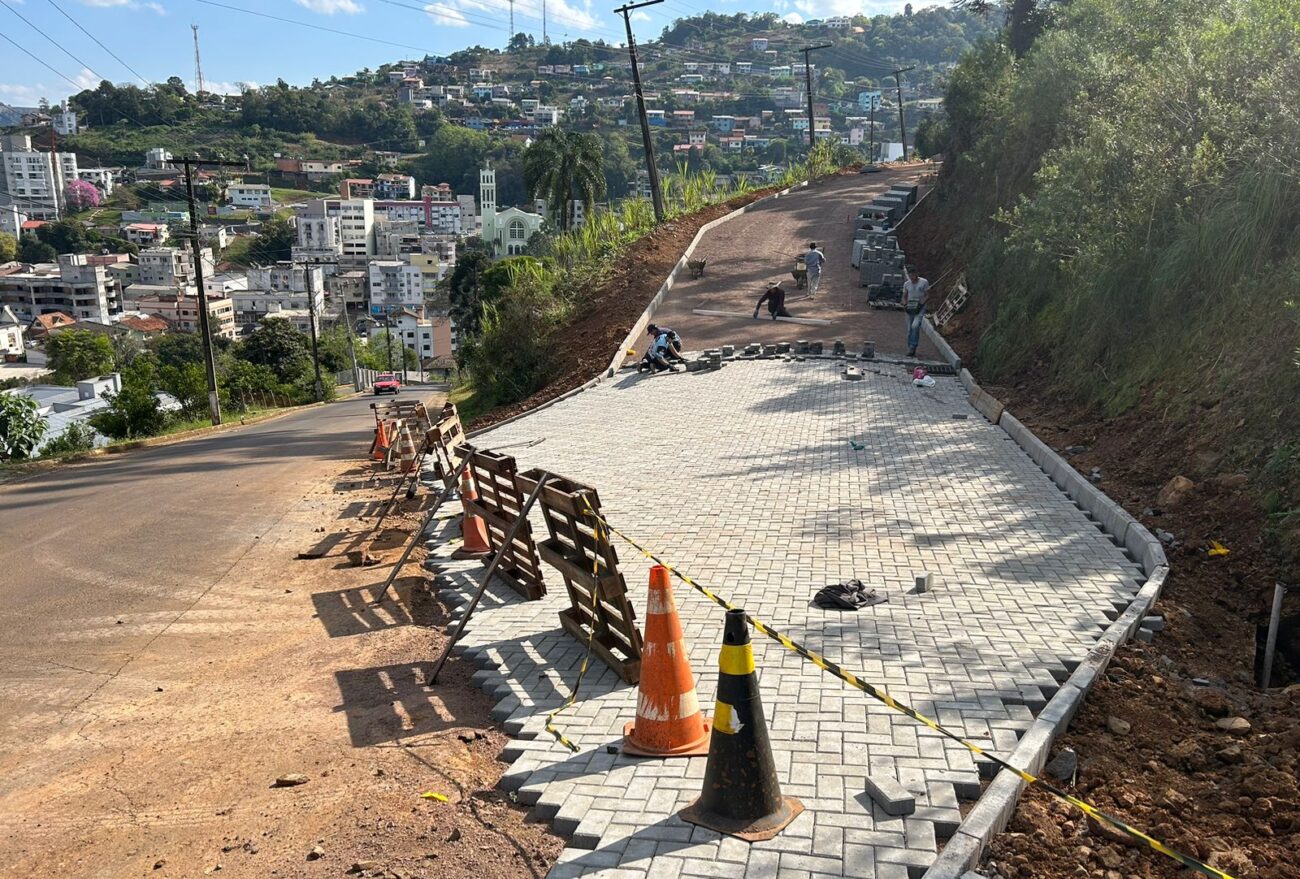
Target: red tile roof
148	324
53	319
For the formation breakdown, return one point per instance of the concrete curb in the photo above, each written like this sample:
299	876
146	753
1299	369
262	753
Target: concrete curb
997	804
935	337
638	328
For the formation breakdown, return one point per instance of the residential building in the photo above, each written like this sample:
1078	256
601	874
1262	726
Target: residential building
34	181
143	327
744	68
249	195
357	187
468	214
429	337
146	234
656	117
318	236
11	219
545	115
869	100
508	231
11	334
684	118
64	121
61	406
697	138
286	277
333	229
44	324
758	44
216	235
168	266
723	124
158	159
393	285
181	309
348	288
101	177
83	291
124	273
280	291
394	186
838	22
225	284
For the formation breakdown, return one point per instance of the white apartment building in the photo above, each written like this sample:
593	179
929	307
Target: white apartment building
394	284
11	218
64	121
249	195
255	304
169	266
87	292
545	115
34	181
287	277
158	159
11	333
101	177
356	227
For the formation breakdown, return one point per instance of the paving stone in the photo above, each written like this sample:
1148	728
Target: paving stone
780	503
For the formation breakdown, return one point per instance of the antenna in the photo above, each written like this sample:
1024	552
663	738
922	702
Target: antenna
545	39
512	19
198	68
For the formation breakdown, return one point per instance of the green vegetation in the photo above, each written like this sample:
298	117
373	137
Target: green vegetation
563	166
21	427
1123	195
78	354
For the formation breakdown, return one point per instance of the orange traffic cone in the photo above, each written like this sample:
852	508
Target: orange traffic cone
668	718
379	448
472	527
406	450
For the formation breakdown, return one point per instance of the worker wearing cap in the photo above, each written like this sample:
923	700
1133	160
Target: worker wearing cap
673	348
774	296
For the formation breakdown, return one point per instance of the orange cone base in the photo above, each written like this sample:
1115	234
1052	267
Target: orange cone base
751	831
691	749
467	553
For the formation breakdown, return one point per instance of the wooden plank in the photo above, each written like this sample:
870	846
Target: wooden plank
500	504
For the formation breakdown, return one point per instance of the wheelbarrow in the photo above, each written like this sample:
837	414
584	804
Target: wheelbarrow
800	273
696	267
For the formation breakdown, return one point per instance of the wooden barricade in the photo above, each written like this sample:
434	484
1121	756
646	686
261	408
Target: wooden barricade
573	550
445	439
411	411
499	503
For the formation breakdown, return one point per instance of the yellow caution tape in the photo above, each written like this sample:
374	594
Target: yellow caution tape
599	534
880	695
434	795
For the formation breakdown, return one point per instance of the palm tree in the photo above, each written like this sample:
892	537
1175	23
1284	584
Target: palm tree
561	166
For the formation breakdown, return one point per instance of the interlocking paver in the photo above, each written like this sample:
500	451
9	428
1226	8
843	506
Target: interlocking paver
744	478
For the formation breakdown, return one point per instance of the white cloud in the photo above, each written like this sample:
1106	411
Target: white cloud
330	7
640	15
227	88
829	8
446	15
792	18
30	94
156	8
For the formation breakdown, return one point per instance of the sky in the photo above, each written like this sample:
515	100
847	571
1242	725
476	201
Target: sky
70	44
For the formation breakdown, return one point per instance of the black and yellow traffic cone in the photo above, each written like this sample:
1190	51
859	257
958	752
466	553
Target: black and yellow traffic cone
741	795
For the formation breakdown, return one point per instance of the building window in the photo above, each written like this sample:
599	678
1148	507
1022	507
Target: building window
517	229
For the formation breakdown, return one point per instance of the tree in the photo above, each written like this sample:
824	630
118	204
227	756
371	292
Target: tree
134	411
188	383
21	426
562	166
33	249
65	236
8	247
78	354
78	436
466	290
247	383
82	195
274	242
275	343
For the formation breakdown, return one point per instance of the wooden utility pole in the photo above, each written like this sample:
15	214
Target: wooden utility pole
310	283
656	194
898	84
807	78
205	330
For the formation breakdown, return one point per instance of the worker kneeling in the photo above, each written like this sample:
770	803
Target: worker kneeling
774	296
657	356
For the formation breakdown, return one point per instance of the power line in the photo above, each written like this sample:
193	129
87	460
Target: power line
77	24
317	27
52	42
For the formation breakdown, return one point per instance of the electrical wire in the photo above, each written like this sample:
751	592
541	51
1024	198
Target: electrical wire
98	43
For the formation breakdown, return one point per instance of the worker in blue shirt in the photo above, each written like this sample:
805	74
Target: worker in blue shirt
656	356
674	349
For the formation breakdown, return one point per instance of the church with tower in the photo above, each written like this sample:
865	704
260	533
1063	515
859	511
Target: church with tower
506	232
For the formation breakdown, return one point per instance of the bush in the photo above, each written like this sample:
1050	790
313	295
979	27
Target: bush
21	426
79	436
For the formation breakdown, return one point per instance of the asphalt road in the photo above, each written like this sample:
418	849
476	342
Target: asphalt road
98	559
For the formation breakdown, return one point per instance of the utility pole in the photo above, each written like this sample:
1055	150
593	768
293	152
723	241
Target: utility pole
388	338
656	194
352	350
310	280
807	78
871	151
902	129
209	363
545	39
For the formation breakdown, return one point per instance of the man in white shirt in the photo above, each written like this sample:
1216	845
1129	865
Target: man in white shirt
915	291
813	261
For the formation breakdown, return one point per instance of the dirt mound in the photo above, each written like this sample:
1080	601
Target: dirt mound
1229	798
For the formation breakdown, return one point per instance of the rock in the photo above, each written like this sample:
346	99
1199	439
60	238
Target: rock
1233	724
1230	480
1212	701
1064	765
1074	450
365	867
1175	491
1166	537
159	864
1110	859
292	779
316	853
1118	727
1230	754
455	835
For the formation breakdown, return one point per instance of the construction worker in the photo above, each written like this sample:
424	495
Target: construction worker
655	358
915	291
774	296
673	351
812	262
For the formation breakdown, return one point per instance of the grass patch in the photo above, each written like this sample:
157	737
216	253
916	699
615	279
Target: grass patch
294	196
469	403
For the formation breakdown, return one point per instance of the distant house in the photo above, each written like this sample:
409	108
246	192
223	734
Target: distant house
249	195
758	44
43	324
145	326
146	234
11	334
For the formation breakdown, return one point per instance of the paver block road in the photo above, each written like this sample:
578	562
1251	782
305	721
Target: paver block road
745	478
759	246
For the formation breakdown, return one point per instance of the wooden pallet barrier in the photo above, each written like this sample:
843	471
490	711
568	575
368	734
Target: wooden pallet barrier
445	440
499	503
573	550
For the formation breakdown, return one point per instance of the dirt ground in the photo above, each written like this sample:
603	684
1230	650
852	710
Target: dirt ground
1227	797
290	666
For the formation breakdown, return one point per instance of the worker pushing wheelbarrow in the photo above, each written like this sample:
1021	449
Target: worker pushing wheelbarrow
800	272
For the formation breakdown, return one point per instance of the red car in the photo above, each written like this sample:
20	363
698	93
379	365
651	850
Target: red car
387	383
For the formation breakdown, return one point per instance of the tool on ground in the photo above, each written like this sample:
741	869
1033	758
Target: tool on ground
668	722
472	527
741	795
487	576
424	523
883	697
